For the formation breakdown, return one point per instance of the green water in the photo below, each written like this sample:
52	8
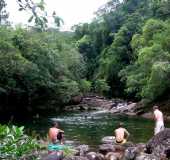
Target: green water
90	128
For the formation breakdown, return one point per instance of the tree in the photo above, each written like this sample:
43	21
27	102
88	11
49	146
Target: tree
3	13
39	13
148	77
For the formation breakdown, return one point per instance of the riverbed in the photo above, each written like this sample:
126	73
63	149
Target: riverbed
90	127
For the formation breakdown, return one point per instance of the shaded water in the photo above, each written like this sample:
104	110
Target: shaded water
90	127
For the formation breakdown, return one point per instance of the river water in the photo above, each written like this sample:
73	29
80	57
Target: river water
90	127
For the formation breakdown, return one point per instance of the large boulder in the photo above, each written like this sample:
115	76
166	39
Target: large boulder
137	153
159	145
76	99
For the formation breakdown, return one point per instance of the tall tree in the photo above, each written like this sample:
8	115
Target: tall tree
3	13
39	14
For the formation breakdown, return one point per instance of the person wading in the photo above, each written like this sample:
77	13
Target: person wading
158	116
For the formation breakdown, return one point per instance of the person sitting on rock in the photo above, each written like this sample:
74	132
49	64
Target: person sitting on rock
55	134
56	137
121	134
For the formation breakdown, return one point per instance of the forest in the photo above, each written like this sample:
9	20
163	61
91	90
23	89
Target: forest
123	53
122	56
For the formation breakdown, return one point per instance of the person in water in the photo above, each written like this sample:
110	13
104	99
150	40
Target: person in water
158	116
121	134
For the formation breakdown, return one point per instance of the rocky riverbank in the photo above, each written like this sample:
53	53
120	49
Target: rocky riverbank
157	148
115	106
101	103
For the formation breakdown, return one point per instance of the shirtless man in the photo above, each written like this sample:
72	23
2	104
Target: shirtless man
158	116
121	134
55	134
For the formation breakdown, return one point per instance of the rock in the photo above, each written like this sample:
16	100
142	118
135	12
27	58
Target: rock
137	153
144	156
131	106
108	140
55	156
130	153
75	158
76	99
114	156
83	149
160	144
119	148
95	156
130	113
105	148
168	118
148	115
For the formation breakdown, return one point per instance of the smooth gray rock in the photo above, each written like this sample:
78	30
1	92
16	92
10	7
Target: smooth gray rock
94	156
108	140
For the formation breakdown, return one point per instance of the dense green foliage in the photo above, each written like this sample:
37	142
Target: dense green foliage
128	46
14	144
148	77
124	51
38	67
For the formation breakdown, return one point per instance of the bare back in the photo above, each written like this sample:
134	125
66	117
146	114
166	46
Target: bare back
121	134
53	133
158	115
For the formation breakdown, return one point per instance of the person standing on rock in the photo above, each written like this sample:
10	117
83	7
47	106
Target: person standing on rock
158	116
121	134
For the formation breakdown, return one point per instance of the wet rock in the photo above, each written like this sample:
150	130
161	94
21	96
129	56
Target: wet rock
114	156
82	150
105	148
95	156
76	158
160	144
108	140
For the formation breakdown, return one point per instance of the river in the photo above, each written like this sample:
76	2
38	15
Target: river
90	127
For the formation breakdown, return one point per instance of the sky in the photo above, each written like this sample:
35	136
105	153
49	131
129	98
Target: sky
71	11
